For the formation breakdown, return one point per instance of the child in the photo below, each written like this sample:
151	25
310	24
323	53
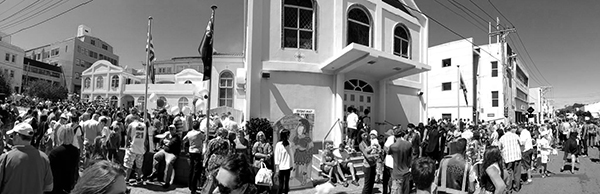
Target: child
377	150
543	145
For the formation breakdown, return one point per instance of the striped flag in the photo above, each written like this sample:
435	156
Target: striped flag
150	50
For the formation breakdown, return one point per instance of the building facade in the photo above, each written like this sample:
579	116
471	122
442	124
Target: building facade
36	70
501	89
180	88
11	62
327	55
543	109
74	55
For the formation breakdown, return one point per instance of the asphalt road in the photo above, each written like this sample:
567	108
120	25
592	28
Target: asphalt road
585	180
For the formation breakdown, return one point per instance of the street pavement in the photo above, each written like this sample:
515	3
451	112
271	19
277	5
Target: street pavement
585	180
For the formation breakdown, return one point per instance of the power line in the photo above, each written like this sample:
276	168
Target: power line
30	17
482	10
12	7
532	75
2	2
490	1
484	21
534	65
461	16
55	16
20	11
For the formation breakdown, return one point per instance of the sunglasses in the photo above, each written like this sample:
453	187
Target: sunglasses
224	189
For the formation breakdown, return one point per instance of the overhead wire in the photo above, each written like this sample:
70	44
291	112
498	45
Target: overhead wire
447	28
532	74
459	5
55	16
15	5
20	11
461	16
524	47
2	2
32	16
485	12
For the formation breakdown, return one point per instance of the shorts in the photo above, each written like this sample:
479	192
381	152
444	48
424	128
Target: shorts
526	161
544	159
131	158
401	185
345	168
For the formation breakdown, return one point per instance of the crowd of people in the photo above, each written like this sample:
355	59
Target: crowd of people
457	156
74	148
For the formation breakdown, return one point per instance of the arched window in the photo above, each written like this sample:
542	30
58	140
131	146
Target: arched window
187	82
99	82
358	85
183	102
87	83
298	24
114	81
85	97
401	42
359	27
226	89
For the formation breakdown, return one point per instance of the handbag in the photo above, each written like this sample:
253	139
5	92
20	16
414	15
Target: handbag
264	176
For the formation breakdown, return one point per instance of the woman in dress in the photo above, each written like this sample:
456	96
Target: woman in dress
216	155
283	162
302	151
492	176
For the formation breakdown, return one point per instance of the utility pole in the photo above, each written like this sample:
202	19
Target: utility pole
507	75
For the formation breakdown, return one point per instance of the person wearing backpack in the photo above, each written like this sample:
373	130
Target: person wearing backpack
455	174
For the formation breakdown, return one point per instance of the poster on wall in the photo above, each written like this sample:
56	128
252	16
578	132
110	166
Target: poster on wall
300	124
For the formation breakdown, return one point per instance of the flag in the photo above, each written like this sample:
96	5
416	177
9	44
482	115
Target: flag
150	50
463	87
206	46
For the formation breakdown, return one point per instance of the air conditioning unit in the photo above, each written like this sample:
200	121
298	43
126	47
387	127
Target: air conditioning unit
240	78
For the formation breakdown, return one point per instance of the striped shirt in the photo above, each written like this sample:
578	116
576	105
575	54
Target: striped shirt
511	147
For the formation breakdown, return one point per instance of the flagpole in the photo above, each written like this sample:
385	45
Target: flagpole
147	69
212	21
458	94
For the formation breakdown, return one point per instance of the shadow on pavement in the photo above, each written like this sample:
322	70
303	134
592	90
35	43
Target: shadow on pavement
155	186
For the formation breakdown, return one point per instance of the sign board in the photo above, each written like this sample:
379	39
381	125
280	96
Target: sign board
530	109
301	125
491	115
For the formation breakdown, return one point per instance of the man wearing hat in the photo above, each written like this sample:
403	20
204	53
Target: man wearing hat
24	162
169	153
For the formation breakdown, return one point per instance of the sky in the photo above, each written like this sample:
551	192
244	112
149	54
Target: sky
561	36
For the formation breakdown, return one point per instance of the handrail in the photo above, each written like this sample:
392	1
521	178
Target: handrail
336	122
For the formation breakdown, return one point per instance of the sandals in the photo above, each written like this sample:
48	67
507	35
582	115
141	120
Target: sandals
345	184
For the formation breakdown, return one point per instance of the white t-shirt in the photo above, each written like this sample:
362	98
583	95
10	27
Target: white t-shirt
283	157
137	132
389	160
352	120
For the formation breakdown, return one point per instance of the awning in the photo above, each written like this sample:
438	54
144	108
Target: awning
371	62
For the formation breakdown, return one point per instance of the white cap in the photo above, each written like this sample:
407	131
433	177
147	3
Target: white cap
22	128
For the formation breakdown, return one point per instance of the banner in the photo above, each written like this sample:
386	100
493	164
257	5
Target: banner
300	124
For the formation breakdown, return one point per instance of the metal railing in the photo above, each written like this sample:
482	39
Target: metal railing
328	132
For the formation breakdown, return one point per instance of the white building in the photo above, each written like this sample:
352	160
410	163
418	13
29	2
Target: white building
543	109
11	62
480	66
181	88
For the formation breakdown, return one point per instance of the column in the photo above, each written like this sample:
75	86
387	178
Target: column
337	135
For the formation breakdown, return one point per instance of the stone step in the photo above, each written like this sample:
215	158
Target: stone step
355	158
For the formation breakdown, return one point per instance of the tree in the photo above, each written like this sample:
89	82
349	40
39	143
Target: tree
46	90
5	85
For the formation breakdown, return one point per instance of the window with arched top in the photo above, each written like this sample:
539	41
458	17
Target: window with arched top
401	41
298	24
99	82
114	81
87	82
226	89
359	26
358	85
183	102
141	100
187	82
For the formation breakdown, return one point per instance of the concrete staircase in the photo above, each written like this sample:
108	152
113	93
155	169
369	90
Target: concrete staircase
356	158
